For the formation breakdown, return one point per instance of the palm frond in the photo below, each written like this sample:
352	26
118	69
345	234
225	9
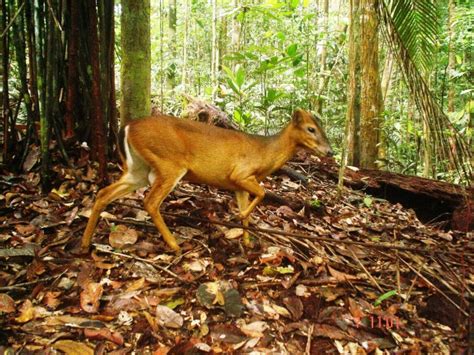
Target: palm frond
449	144
418	24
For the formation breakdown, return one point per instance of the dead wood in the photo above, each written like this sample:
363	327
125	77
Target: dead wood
435	202
202	111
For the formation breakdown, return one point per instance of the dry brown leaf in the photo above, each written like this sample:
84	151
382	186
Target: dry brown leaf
70	347
90	297
27	312
51	299
104	333
341	276
329	331
254	329
7	304
234	233
162	350
25	230
121	236
168	318
136	285
152	321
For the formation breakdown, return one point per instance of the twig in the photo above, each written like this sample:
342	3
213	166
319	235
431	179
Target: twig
12	20
436	288
308	340
105	250
366	271
29	283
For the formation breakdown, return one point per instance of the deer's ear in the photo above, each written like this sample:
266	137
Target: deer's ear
297	117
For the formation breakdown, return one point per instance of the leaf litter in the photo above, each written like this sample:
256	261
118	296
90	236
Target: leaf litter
317	286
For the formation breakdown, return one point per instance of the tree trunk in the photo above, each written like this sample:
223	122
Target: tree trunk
171	72
99	139
31	43
47	91
185	46
5	73
387	75
72	75
371	98
353	97
451	55
107	72
323	56
136	60
214	49
235	34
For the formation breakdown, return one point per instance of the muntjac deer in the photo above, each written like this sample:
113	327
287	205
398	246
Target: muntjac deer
162	150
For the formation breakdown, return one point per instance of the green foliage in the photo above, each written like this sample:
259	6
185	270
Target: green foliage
385	296
418	24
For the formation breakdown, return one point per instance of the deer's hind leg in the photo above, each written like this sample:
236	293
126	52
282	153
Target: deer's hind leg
164	179
129	182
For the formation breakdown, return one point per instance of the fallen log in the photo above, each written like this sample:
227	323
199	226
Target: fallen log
447	205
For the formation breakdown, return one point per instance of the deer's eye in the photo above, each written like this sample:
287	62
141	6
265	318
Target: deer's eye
311	129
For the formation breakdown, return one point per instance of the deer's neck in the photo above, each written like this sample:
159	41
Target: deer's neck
278	149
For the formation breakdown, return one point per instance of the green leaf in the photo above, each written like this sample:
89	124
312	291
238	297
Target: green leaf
300	72
385	296
281	36
175	303
294	4
240	77
315	203
229	72
418	23
238	116
292	50
368	201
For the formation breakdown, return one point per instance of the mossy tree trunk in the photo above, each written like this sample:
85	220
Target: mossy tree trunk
136	60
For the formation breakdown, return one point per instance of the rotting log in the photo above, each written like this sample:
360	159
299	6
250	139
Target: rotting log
434	202
202	111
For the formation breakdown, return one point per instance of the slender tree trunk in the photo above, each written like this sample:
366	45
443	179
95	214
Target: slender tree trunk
323	55
353	97
5	73
214	49
72	74
99	140
427	151
107	77
451	55
47	98
386	84
371	98
185	46
387	75
136	62
235	34
172	9
32	64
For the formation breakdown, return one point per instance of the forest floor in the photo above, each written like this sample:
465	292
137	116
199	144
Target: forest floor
353	274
